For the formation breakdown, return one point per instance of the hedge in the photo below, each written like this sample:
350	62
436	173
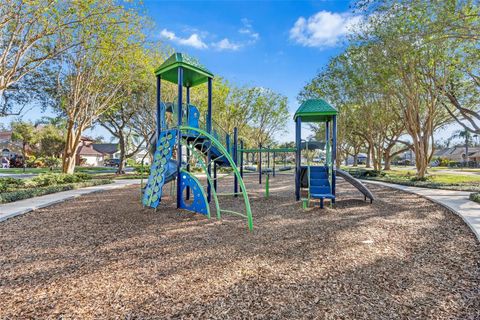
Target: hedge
475	197
22	194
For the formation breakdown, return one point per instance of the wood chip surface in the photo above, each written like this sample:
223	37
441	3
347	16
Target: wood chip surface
103	256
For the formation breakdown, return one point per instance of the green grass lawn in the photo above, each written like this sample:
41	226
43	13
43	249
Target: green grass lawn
437	179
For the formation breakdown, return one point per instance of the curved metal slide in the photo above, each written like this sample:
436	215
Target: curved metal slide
356	183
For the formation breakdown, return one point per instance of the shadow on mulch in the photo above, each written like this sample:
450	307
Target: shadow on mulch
104	256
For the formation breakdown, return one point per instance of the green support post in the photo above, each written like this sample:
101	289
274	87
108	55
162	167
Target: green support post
267	186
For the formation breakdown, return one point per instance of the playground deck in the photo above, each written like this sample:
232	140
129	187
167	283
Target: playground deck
103	256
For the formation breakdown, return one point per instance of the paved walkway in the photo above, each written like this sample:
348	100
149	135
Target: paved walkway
18	175
457	201
16	208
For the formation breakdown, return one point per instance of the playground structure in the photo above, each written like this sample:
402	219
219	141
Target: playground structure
191	137
320	181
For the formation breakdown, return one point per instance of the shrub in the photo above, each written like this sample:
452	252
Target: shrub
51	179
31	161
40	191
363	173
139	169
443	162
131	162
9	184
415	179
475	197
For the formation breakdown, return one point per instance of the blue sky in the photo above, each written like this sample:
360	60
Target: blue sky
278	44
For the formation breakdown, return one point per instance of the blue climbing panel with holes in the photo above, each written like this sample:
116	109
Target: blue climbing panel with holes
162	170
198	200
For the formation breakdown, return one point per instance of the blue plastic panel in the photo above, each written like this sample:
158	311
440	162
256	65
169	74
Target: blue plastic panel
198	198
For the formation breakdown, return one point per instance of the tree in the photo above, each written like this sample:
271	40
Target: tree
467	136
117	121
25	133
269	116
51	141
92	75
411	67
31	37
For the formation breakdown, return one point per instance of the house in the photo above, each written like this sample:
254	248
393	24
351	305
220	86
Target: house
458	154
361	159
86	155
9	148
95	154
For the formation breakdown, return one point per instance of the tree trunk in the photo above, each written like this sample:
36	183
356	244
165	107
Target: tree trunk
121	145
387	160
421	160
69	164
368	160
466	151
71	145
24	152
355	160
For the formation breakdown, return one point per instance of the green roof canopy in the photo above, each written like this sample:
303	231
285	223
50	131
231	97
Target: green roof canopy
193	72
315	110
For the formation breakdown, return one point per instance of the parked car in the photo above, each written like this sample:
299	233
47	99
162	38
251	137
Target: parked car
112	162
17	161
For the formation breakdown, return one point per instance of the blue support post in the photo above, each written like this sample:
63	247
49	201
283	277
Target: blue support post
159	108
179	123
328	154
187	197
260	165
268	158
241	158
209	130
215	176
235	159
334	155
274	164
227	144
298	138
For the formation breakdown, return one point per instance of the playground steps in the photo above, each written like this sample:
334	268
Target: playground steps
319	186
163	168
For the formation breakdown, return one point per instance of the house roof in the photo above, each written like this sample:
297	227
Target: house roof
315	110
88	151
106	148
193	72
5	135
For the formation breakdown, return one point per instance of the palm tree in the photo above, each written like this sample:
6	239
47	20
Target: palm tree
463	134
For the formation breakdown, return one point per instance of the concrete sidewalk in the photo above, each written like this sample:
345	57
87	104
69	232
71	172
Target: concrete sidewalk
16	208
457	201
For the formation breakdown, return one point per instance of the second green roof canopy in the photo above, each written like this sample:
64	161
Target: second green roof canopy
315	110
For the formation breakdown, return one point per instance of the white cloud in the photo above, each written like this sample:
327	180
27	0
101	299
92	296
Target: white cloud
246	36
324	29
226	44
247	29
193	41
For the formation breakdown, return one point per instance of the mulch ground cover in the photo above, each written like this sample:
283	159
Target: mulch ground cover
103	256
